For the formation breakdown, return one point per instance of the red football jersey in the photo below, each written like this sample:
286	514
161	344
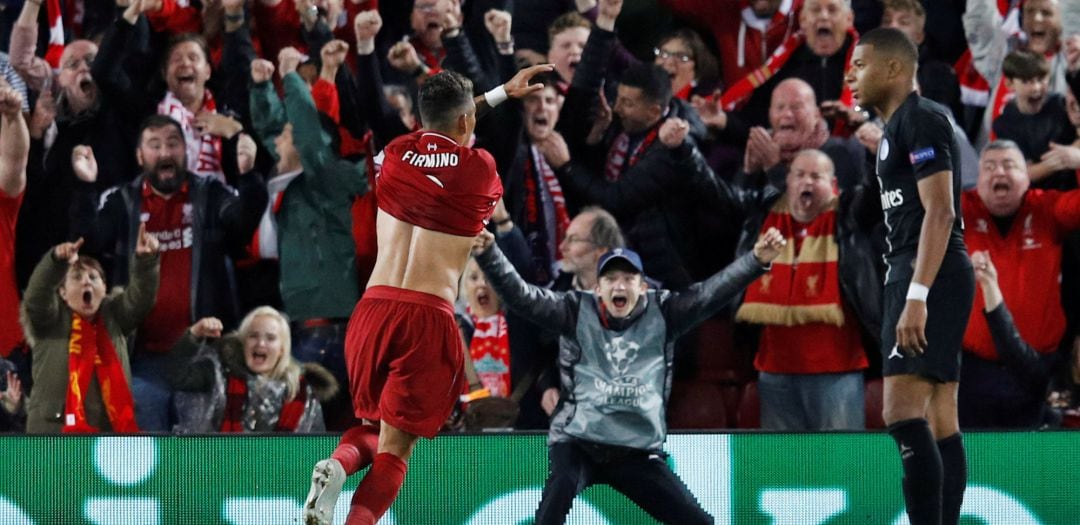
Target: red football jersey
430	181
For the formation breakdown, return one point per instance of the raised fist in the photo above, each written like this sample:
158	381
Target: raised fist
261	70
673	132
498	24
366	25
84	164
10	101
288	60
333	53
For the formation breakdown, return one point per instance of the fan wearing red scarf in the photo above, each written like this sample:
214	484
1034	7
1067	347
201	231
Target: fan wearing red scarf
77	334
247	381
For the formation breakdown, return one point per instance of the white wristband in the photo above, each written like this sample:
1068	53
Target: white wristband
496	96
917	292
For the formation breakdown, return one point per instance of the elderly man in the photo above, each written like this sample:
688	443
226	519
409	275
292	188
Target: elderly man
69	112
822	299
797	124
1021	230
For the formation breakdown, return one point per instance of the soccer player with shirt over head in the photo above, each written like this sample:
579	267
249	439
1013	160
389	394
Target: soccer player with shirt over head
929	283
402	349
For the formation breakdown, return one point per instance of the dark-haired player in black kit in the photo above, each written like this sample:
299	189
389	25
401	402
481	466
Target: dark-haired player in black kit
929	284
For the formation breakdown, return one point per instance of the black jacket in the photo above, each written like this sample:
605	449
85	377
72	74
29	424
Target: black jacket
223	223
858	236
51	183
825	75
655	200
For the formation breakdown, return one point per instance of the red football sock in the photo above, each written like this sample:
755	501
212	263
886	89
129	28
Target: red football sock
378	490
357	448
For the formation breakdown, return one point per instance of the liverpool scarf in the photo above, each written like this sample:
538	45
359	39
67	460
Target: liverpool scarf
621	158
91	354
490	352
236	396
739	93
203	151
546	218
803	285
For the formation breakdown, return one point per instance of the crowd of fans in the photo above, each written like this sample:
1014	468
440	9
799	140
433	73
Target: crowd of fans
216	161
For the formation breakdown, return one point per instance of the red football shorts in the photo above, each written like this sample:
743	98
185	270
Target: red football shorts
404	355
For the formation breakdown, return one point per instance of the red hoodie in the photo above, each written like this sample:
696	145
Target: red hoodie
1028	262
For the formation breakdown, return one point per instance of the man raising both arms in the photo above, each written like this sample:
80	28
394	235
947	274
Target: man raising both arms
402	348
929	283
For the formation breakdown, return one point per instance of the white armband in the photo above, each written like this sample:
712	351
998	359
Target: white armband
496	96
917	292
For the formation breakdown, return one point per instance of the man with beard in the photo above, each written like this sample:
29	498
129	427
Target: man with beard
1021	230
797	124
922	328
198	222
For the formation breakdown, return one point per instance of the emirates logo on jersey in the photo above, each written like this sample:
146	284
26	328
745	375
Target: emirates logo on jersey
891	199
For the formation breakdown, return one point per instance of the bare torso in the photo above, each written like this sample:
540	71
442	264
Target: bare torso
414	258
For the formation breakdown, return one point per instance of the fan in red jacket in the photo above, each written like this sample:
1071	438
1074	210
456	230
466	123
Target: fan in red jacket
1022	229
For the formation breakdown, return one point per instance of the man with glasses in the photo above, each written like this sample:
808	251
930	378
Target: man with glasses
70	111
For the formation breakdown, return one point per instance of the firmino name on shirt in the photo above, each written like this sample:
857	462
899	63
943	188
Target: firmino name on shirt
430	160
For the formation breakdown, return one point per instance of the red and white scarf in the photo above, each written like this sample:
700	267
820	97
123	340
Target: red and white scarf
490	352
620	157
555	217
91	354
781	18
56	34
203	151
739	93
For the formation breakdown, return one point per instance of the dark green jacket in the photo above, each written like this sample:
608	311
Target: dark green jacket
47	321
315	245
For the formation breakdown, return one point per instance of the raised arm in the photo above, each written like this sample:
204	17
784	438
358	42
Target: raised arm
135	303
33	69
41	304
236	57
552	310
100	220
120	40
1022	360
370	99
986	39
684	310
267	112
195	375
14	142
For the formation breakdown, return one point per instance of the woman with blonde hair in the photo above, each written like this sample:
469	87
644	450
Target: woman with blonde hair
247	381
